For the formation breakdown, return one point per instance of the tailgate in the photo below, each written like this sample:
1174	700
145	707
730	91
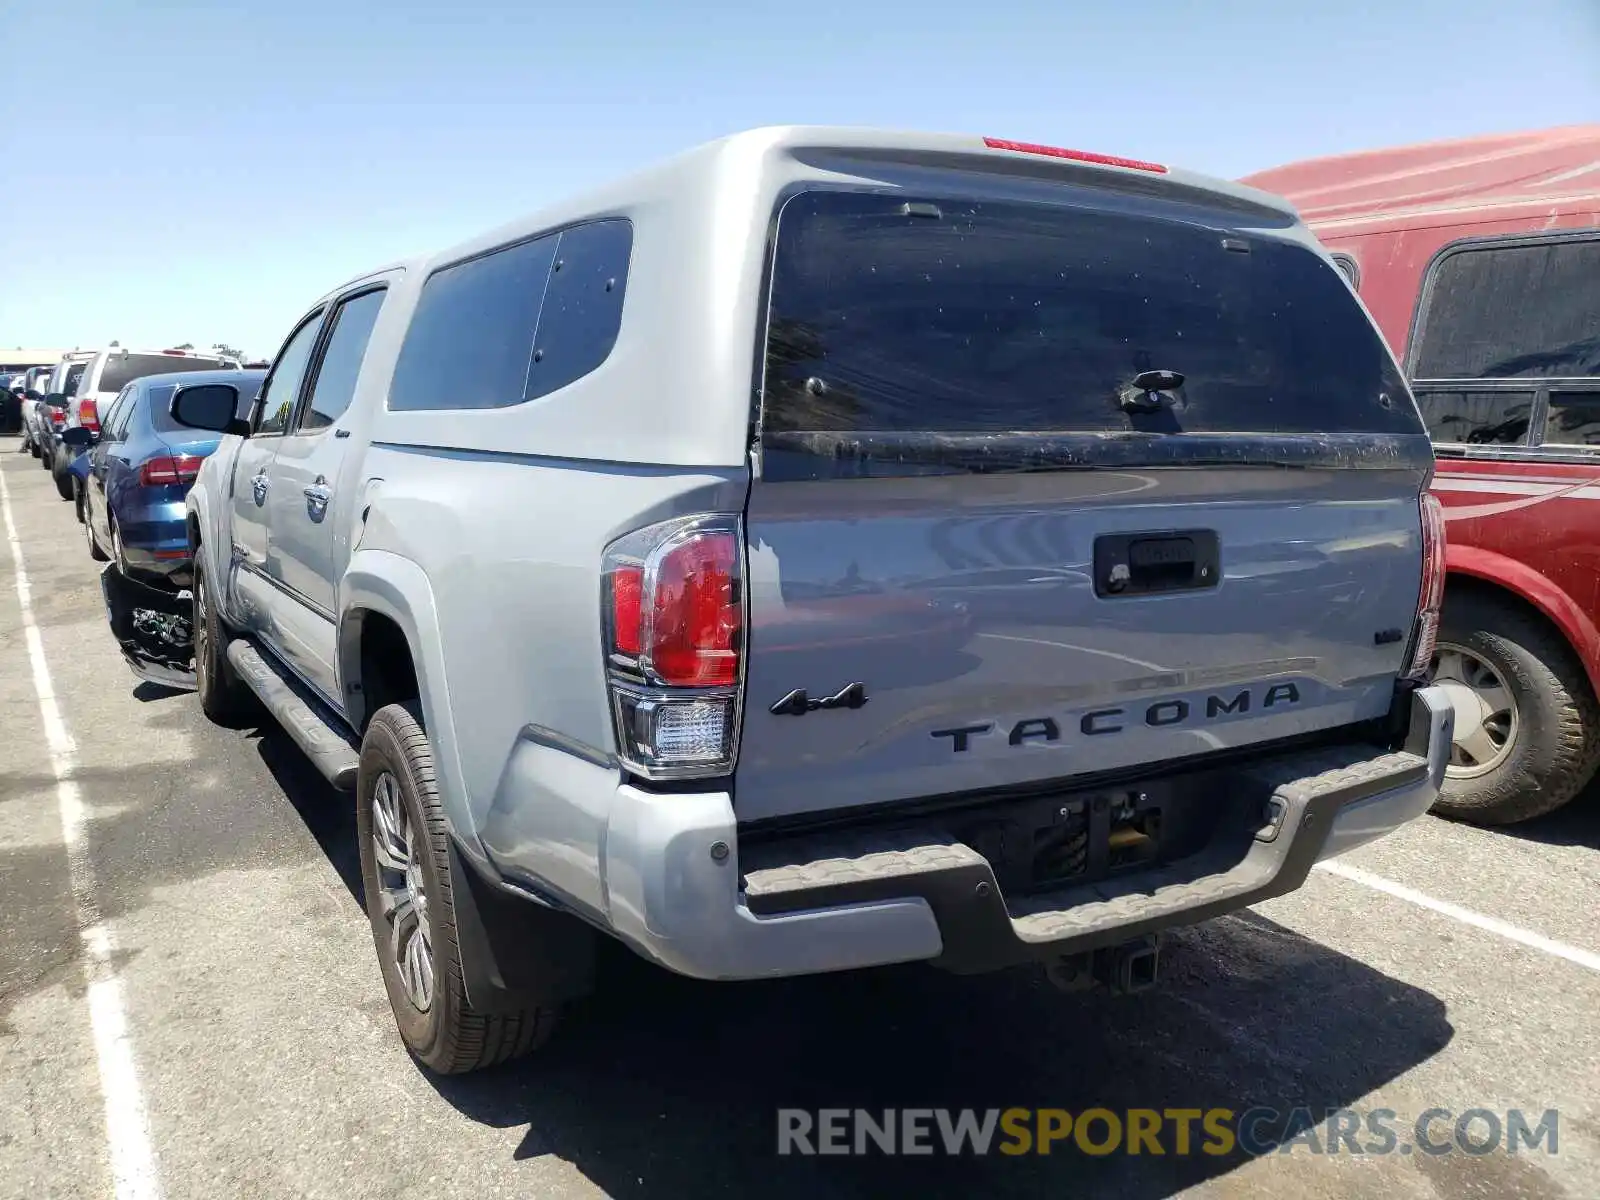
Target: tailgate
1047	491
969	612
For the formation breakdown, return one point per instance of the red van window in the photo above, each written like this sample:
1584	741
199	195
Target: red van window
1512	312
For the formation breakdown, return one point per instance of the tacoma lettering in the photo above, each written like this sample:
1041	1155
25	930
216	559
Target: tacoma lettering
1162	714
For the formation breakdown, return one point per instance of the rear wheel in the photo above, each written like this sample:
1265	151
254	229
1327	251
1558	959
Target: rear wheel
33	447
1525	719
223	696
405	872
65	483
87	518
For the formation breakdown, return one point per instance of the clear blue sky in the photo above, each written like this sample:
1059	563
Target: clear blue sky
202	171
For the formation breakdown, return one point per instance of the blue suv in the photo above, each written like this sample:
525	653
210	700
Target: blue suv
132	482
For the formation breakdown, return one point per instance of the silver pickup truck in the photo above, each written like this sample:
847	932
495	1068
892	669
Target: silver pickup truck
829	548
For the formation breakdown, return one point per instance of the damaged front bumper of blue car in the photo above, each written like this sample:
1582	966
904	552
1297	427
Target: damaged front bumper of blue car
152	628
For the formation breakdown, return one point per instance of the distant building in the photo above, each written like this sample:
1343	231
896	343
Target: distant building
21	358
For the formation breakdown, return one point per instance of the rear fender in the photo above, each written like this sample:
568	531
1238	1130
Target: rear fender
513	951
1538	590
379	581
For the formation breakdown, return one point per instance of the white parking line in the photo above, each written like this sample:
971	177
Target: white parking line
133	1170
1512	933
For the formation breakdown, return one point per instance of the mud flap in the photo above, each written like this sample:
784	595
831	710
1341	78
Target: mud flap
152	628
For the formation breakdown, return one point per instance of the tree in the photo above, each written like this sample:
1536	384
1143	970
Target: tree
115	344
186	346
226	351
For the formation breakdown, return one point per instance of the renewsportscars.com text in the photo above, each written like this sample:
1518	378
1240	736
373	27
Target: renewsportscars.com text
1170	1131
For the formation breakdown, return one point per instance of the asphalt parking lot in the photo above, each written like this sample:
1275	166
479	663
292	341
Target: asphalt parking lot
190	1006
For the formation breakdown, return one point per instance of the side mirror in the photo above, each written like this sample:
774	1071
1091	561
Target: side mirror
209	406
77	436
30	394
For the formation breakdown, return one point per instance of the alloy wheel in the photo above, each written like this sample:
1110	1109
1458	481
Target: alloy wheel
1485	711
402	895
201	635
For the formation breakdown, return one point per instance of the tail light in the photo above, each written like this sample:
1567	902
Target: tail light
1431	601
58	417
165	469
89	415
672	599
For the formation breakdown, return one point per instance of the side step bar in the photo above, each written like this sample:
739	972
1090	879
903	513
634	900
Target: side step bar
305	718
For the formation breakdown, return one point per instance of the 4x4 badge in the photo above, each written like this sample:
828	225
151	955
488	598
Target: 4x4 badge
798	704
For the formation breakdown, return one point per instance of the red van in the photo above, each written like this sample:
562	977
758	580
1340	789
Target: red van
1480	260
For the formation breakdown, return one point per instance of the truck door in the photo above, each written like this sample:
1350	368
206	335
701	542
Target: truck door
306	505
251	484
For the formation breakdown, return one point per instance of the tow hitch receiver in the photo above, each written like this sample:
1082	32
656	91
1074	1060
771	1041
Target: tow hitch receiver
152	628
1123	970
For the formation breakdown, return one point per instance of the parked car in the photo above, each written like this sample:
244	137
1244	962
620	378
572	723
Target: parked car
1480	260
33	420
37	379
51	417
11	389
13	403
31	386
104	375
132	481
595	609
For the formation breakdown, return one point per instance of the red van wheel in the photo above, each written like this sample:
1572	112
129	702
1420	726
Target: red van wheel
1525	740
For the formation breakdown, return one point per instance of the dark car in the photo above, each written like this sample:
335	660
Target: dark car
10	401
131	483
12	385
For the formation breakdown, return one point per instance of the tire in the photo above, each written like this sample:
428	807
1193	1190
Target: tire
441	1031
95	552
33	448
1552	747
65	484
224	697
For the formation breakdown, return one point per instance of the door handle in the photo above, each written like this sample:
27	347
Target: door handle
317	496
259	484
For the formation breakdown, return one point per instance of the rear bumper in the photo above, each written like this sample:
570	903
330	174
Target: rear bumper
669	876
155	541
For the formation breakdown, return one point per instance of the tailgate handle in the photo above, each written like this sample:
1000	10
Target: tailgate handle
1138	564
